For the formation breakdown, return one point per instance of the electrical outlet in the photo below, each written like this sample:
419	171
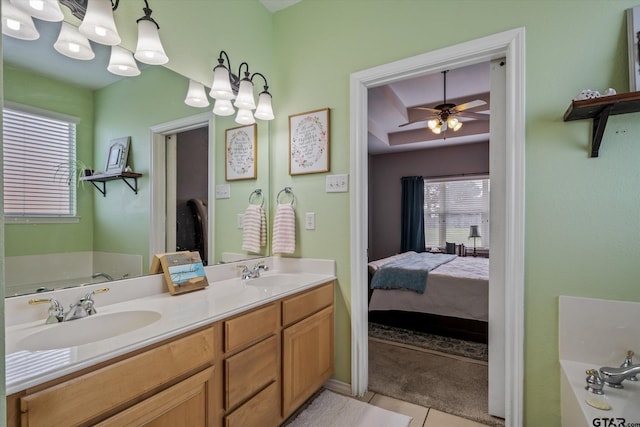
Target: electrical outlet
337	183
223	191
310	221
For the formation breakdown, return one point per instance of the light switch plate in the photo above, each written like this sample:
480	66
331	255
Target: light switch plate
223	191
338	183
240	220
310	221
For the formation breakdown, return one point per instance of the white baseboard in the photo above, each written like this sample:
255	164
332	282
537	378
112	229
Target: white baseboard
338	386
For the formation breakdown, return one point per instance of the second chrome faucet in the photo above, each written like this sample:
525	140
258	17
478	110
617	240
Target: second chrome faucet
254	272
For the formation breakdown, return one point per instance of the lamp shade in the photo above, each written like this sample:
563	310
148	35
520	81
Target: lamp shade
122	62
196	96
245	117
98	24
46	10
17	23
221	86
264	110
473	231
245	96
149	49
73	44
223	107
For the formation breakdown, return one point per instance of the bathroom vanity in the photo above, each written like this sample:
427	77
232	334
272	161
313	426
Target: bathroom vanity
240	353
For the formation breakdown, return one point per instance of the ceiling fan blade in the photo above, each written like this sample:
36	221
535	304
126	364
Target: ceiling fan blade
471	115
468	105
433	110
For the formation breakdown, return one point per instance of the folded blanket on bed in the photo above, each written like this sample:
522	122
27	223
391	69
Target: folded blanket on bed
409	272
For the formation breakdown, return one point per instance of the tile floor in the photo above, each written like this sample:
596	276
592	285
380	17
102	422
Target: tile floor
422	417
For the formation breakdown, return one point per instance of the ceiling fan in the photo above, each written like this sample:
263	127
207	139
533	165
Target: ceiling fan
442	116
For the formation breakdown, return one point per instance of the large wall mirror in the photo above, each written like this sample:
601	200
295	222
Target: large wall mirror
111	237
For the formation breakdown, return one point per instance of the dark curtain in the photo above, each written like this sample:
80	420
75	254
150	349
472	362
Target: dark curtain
412	238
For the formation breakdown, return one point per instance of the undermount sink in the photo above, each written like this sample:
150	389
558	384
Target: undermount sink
87	330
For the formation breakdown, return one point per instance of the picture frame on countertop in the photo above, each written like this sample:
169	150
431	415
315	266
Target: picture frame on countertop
309	142
240	153
117	156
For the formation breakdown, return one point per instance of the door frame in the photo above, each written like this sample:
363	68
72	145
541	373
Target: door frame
511	46
158	179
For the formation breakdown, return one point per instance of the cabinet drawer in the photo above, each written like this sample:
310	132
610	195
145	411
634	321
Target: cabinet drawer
301	306
86	397
250	327
261	411
250	370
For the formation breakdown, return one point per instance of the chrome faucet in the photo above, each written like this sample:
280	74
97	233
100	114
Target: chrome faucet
254	272
613	377
83	308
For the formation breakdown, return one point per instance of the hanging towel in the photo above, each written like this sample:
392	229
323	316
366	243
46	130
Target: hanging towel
284	230
254	229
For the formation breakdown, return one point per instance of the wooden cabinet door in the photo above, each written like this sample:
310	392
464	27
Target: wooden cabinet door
187	403
307	358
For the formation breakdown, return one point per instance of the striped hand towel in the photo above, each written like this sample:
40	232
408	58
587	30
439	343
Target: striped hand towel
254	229
284	230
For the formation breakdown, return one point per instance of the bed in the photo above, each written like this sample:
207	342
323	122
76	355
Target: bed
454	303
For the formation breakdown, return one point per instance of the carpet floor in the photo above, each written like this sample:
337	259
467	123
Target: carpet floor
448	384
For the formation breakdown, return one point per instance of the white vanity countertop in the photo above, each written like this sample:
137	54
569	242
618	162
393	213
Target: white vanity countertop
225	296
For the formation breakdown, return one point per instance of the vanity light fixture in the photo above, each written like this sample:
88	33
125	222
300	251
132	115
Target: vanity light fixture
73	44
46	10
17	23
98	24
227	86
149	49
196	95
122	63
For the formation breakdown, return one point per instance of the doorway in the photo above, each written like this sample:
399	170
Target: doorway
506	308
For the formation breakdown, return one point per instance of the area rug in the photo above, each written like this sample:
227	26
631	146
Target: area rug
454	346
450	385
333	410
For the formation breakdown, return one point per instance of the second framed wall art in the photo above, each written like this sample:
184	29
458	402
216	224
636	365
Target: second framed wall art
240	153
309	142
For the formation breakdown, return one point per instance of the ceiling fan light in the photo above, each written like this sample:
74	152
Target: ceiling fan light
433	123
196	96
17	23
457	126
73	44
221	86
223	107
122	63
46	10
436	130
452	122
149	49
98	24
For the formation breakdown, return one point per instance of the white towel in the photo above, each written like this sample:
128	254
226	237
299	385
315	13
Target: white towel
254	229
284	230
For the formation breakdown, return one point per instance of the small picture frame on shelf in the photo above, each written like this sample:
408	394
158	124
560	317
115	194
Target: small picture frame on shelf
240	153
309	142
633	37
117	156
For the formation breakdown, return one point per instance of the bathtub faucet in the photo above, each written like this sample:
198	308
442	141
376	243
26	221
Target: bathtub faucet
613	377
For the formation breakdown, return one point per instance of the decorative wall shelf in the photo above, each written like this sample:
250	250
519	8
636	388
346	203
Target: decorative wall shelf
130	178
599	109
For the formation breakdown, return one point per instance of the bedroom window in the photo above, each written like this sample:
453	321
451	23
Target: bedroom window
39	157
451	207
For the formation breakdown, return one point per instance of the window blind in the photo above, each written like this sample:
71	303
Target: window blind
39	164
451	207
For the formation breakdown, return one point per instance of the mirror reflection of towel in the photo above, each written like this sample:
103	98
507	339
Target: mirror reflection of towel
254	229
284	230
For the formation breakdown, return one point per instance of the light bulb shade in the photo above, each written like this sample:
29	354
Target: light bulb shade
264	110
221	86
245	96
223	107
122	62
149	49
46	10
73	44
437	130
452	122
473	231
196	96
17	23
98	24
433	123
457	126
245	117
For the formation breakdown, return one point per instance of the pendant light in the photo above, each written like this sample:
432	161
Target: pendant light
149	49
73	44
98	24
45	10
122	63
17	23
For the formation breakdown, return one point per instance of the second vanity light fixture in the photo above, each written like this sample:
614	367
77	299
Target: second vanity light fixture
97	25
227	86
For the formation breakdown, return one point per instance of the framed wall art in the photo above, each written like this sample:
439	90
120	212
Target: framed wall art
240	153
117	157
309	142
633	37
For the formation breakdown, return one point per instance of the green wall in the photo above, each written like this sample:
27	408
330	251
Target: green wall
34	90
582	236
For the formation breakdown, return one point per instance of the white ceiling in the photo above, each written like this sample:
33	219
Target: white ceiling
276	5
389	107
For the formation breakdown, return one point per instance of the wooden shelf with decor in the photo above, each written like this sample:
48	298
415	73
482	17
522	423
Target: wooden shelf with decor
130	178
599	109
